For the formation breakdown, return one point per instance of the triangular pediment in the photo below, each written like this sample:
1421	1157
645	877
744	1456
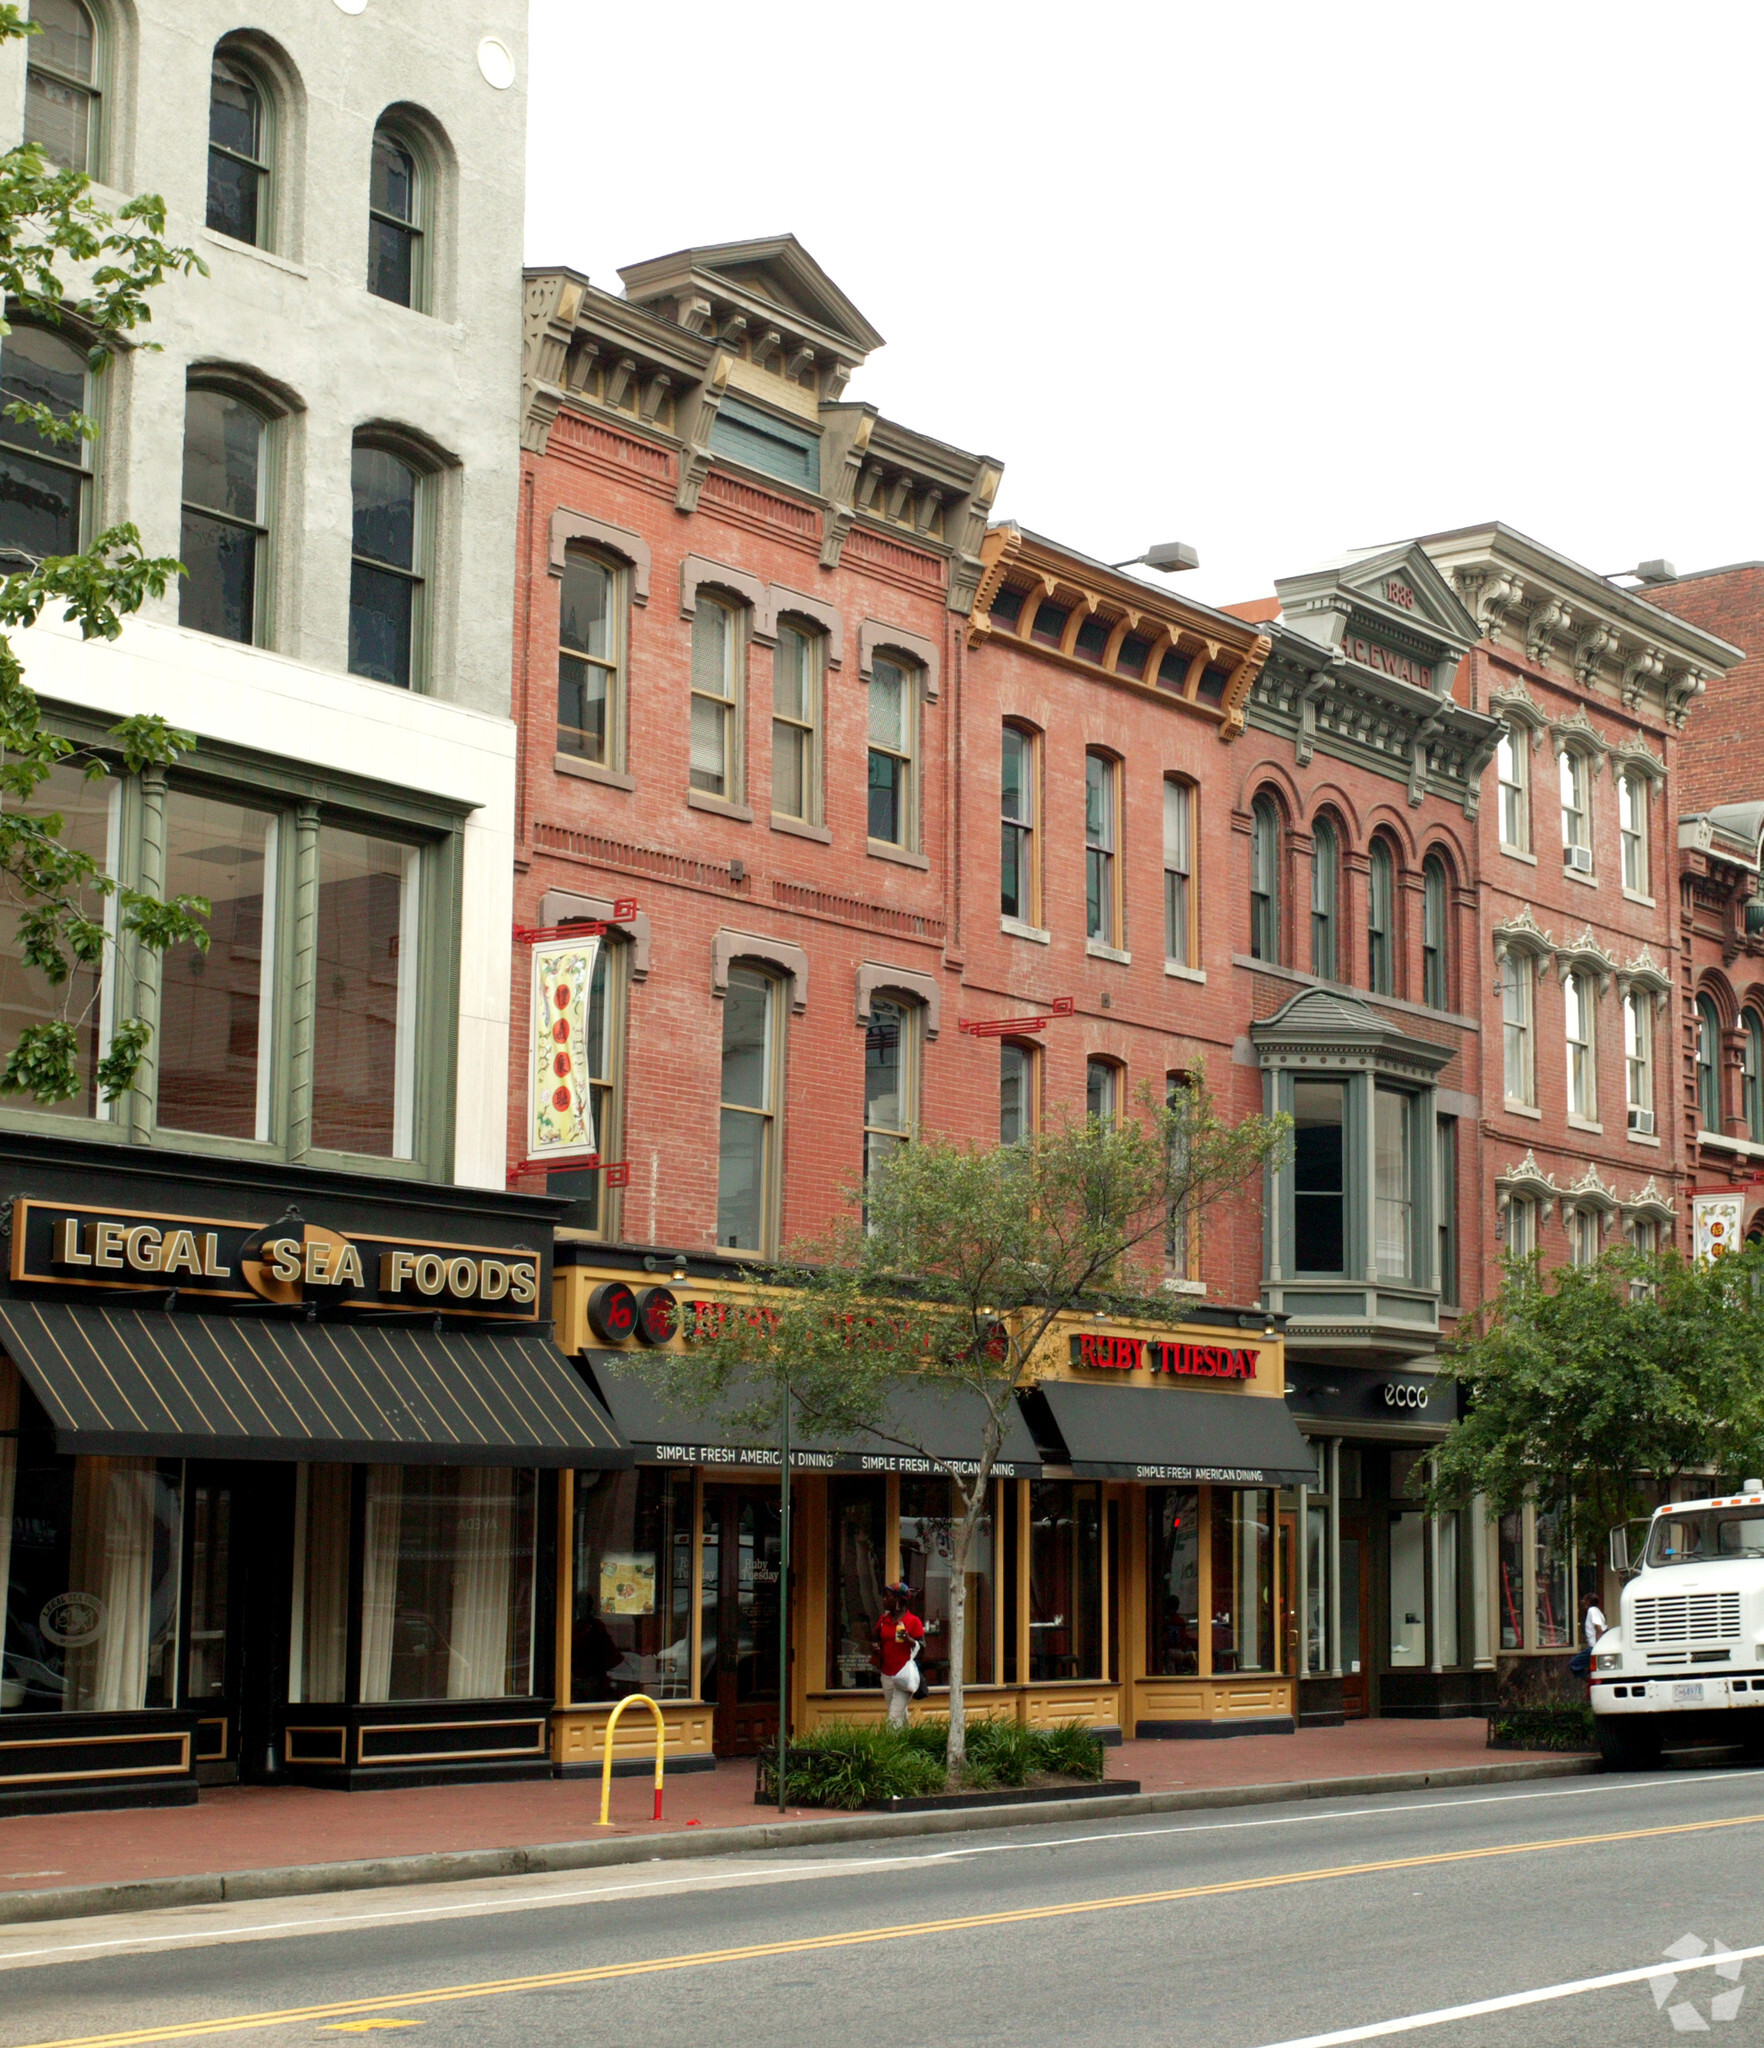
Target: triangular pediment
1387	608
773	272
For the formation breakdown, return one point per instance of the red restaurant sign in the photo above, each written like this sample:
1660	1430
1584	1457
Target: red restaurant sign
1100	1353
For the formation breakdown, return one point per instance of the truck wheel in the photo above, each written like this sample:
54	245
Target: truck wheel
1629	1745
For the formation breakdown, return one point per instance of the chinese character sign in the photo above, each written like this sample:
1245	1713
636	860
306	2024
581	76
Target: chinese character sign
560	1110
1717	1224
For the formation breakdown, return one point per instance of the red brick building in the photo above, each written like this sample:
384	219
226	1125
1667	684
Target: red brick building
1720	819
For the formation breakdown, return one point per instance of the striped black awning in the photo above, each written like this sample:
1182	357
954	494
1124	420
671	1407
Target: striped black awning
144	1383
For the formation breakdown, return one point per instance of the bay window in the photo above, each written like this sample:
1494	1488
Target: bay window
1319	1164
1393	1169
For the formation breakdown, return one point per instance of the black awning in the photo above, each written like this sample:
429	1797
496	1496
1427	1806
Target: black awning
947	1423
1185	1438
140	1382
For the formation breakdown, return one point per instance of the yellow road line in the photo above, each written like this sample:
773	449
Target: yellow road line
607	1972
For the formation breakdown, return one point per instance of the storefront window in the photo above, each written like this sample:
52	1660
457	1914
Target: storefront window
1243	1579
631	1618
1555	1618
205	1624
318	1651
447	1583
1065	1581
928	1508
1172	1612
1317	1587
1512	1550
89	1548
1445	1622
1408	1589
857	1513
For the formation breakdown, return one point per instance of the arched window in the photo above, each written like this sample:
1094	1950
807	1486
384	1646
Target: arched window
1754	1076
1380	893
1708	1064
1324	860
1264	932
1017	1104
1102	1090
1434	986
590	656
241	152
226	529
43	483
398	206
63	107
388	586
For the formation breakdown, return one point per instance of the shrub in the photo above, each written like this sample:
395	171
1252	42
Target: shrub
1071	1749
1547	1724
859	1763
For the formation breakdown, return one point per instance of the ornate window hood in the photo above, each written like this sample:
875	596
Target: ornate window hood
1527	1181
1644	972
1585	955
1591	1191
1648	1205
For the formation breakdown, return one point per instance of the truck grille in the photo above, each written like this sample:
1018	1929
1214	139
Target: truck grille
1684	1617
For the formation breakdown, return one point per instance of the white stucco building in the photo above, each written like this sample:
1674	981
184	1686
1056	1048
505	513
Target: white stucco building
327	435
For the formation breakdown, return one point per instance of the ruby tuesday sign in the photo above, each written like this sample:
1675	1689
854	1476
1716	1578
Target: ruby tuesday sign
1096	1352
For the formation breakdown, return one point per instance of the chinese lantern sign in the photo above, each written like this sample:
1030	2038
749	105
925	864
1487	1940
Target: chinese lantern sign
560	1110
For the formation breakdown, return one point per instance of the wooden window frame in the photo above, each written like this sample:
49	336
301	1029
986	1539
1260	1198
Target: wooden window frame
1183	924
733	705
1027	829
1105	853
813	637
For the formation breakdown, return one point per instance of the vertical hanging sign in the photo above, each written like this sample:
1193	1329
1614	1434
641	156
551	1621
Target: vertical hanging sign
560	1110
1717	1220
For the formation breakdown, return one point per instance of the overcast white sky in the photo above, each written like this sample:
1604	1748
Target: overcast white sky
1276	280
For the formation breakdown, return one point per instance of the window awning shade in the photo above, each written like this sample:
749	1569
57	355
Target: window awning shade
918	1420
142	1383
1182	1438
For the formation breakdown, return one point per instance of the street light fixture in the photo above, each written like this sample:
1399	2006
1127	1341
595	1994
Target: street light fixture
1168	557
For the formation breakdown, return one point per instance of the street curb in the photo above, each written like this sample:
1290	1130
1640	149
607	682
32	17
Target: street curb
155	1894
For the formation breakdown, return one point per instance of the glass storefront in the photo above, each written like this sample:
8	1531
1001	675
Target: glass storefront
1243	1580
1173	1557
928	1508
1065	1581
857	1519
631	1606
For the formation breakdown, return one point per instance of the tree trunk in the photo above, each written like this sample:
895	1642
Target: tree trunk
960	1550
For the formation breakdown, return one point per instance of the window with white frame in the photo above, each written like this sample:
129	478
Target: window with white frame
1583	1236
1518	990
1576	812
1513	769
716	698
1178	871
1102	805
1577	1013
1393	1146
1102	1090
1017	1091
891	1080
1632	830
1019	797
1638	1059
1643	1233
1521	1227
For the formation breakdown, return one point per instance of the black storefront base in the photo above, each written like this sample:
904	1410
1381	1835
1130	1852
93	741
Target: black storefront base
416	1742
67	1763
1210	1731
1320	1703
1435	1695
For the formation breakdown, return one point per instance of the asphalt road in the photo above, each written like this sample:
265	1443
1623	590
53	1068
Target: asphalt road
1305	1923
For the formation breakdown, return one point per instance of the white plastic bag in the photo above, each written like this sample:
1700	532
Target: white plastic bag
909	1677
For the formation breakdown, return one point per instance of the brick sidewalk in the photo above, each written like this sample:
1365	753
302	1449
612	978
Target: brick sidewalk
259	1827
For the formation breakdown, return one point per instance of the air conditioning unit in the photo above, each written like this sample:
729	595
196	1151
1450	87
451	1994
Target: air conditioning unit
1579	858
1642	1120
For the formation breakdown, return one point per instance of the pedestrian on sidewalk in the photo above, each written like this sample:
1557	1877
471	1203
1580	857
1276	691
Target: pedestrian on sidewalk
1592	1625
899	1634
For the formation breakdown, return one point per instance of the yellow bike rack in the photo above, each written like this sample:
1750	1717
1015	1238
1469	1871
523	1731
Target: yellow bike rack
637	1699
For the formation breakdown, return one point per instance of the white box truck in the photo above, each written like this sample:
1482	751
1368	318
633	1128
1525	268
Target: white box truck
1685	1664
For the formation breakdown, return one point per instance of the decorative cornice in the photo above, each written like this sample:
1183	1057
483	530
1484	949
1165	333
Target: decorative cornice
1529	1180
1585	955
1590	1191
1489	595
1549	617
1641	666
1649	1205
1594	642
1644	972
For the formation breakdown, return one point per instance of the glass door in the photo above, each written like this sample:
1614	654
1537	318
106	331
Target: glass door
211	1644
233	1652
1355	1608
742	1541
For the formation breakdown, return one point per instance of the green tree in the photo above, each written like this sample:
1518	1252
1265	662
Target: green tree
67	263
951	1270
1585	1386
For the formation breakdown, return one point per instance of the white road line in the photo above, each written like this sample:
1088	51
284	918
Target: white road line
821	1867
1382	2029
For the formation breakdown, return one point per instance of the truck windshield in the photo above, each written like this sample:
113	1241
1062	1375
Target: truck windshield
1706	1536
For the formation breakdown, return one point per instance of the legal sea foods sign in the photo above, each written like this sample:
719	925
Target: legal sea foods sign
87	1246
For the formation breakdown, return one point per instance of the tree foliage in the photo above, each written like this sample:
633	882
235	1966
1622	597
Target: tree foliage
1586	1386
66	263
951	1269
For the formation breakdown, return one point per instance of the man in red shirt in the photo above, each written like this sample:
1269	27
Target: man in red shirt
898	1636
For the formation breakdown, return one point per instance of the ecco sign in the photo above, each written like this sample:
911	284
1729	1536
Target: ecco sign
1405	1394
